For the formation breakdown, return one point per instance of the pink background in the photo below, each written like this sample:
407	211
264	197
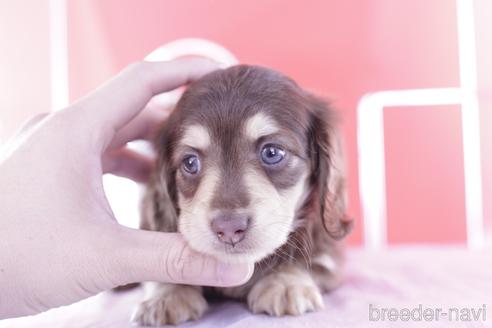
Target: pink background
339	49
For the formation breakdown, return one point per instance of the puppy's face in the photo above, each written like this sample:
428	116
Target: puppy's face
237	157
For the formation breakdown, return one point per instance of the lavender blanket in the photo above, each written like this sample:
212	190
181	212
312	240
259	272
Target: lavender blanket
398	287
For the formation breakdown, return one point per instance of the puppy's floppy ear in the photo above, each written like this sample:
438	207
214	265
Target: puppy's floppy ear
327	170
165	144
159	205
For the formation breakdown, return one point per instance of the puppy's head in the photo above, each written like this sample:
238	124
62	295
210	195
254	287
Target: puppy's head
246	157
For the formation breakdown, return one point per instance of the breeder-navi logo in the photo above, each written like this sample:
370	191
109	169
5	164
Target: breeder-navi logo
422	313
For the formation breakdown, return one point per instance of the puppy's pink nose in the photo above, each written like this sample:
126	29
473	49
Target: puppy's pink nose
230	229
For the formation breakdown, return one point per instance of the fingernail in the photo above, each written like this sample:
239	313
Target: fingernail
234	274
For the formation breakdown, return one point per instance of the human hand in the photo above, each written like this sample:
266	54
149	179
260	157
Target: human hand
59	240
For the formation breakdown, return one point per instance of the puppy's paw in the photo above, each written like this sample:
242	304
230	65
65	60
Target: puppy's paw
172	307
285	293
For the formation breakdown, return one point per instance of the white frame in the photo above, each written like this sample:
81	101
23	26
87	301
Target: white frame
370	138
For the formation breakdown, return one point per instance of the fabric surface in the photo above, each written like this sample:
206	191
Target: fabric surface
400	277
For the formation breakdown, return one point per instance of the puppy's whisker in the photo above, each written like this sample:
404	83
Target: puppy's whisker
304	251
284	255
264	225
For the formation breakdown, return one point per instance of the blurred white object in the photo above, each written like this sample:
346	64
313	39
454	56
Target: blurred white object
193	47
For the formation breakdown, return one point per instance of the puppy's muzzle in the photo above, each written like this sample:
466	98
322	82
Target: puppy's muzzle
230	228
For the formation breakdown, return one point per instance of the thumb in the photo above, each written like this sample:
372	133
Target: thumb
166	257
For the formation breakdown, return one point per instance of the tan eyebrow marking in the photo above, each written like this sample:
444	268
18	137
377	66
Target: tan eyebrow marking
196	136
260	125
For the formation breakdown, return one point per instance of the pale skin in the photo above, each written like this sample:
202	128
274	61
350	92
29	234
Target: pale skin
59	239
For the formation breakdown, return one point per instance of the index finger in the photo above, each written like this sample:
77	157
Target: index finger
118	101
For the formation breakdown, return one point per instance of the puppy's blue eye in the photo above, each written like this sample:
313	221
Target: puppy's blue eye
272	154
191	164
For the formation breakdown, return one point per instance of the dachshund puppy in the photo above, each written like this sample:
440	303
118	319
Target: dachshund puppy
249	169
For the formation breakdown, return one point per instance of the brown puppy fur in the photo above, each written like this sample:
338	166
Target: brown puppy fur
247	145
